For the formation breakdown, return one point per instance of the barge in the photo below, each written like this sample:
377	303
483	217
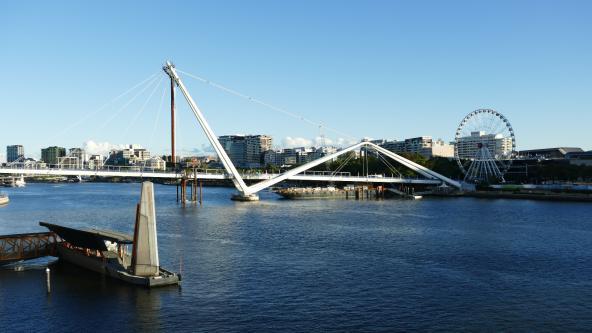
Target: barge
328	192
331	192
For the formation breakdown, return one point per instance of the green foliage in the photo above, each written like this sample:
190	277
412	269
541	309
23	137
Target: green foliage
272	168
445	166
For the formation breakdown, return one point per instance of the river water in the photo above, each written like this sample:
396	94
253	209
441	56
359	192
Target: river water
312	265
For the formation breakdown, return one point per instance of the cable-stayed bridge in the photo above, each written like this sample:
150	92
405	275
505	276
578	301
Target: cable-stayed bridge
262	180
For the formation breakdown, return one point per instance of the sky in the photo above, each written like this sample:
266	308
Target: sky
375	69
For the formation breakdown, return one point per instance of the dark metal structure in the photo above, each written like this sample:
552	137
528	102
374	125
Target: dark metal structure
27	246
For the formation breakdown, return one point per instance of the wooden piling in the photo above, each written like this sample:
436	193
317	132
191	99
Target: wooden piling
200	190
183	191
195	186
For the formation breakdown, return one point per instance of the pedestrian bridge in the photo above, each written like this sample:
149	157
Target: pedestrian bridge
26	246
257	182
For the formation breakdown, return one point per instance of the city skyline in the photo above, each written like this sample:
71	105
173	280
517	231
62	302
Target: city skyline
398	72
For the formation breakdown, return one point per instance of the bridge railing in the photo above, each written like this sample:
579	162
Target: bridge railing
246	175
114	168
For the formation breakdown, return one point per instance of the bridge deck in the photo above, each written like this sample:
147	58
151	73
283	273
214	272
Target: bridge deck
26	246
215	176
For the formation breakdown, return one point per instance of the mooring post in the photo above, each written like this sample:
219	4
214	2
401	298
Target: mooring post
48	279
200	190
183	191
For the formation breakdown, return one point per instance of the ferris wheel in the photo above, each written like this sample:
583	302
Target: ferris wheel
485	145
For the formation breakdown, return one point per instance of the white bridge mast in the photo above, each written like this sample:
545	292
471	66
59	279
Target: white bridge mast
239	183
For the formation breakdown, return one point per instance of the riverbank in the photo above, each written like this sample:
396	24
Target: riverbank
545	196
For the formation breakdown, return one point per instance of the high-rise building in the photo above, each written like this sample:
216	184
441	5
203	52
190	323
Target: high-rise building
422	145
50	155
133	155
79	153
292	156
14	152
155	163
498	145
96	162
69	162
246	151
394	146
234	145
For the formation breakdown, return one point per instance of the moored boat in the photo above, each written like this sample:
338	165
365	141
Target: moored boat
4	199
20	182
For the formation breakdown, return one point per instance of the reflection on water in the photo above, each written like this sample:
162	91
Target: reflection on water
332	265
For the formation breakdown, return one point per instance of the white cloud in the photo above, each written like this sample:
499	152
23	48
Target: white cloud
319	141
101	148
341	142
290	142
204	150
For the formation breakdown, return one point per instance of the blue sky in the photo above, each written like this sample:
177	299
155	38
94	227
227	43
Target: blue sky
380	69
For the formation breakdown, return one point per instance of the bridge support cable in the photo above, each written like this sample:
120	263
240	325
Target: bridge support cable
389	165
411	165
157	118
265	104
141	110
118	112
416	167
292	172
104	106
343	164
